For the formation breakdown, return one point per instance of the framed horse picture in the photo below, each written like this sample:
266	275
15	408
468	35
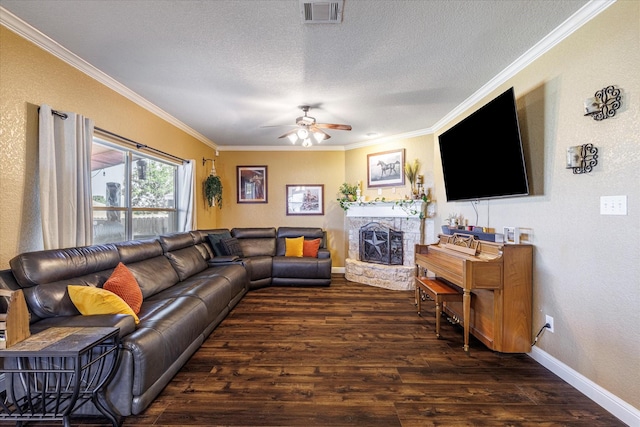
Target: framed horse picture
385	169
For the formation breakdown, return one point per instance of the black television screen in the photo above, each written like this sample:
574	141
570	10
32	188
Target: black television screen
482	155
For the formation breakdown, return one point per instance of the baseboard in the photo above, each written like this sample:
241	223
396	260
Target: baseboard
612	403
337	270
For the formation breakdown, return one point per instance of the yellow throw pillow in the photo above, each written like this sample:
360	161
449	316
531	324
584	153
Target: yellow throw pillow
90	300
293	246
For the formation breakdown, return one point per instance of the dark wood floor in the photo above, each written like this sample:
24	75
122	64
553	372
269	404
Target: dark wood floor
355	355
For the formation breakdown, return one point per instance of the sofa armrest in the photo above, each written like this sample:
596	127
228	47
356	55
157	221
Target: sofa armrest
224	260
324	253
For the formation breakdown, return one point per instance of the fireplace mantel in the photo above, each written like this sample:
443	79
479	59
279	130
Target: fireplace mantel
387	209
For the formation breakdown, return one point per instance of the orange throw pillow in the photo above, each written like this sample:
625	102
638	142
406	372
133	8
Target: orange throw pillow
310	247
123	284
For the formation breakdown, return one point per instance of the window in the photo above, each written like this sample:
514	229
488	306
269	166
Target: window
133	194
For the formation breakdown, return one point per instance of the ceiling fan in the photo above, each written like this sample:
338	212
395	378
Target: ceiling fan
307	128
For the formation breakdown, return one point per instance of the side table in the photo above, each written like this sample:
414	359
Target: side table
53	372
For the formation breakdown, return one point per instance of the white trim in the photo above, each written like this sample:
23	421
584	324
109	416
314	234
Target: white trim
41	40
570	25
386	209
280	148
337	270
382	140
612	403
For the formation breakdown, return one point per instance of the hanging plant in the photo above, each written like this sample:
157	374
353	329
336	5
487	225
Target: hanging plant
213	190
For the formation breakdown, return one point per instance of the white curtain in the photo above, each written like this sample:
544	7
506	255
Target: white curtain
65	179
186	194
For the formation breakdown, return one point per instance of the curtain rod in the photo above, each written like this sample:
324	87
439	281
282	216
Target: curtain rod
138	145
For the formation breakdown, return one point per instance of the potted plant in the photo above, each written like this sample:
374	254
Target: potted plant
213	190
349	194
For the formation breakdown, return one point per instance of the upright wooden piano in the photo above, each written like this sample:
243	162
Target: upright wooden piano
495	279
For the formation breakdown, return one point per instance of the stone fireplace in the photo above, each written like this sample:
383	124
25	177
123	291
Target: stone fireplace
414	231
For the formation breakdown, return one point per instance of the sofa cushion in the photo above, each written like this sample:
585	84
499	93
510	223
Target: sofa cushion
168	327
138	250
307	232
187	261
35	268
231	246
175	241
52	299
124	284
154	275
310	247
294	267
257	241
294	246
90	301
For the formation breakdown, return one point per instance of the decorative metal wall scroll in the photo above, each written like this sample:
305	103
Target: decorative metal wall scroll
604	103
582	158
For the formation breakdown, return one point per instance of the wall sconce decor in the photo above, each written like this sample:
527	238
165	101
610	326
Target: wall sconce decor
604	104
582	158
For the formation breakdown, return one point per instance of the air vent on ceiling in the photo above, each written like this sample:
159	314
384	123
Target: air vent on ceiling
321	11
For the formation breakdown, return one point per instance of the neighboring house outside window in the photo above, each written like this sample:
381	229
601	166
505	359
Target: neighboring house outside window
134	195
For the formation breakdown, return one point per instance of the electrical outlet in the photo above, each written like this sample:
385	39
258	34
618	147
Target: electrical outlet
549	320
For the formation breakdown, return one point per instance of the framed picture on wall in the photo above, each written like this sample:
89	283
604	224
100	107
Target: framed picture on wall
252	184
385	169
307	199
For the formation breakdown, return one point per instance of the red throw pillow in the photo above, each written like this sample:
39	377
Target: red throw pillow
123	284
310	247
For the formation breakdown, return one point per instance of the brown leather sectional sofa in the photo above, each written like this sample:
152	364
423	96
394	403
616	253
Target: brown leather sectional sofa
187	291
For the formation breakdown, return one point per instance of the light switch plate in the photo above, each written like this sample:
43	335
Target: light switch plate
613	205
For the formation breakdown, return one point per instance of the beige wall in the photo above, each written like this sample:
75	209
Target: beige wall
30	77
420	147
297	167
586	266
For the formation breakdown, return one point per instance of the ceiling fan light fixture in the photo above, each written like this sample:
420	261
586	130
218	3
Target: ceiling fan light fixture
293	137
302	133
318	136
306	142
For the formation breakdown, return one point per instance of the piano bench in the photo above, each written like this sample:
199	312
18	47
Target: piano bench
439	292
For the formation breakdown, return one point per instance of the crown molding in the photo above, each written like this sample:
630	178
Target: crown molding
564	30
26	31
287	148
391	138
568	27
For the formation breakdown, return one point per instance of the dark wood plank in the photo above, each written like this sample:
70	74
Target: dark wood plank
350	355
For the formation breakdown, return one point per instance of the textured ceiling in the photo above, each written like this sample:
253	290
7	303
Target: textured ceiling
228	68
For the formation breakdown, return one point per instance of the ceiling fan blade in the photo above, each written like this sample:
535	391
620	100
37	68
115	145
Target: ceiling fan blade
333	126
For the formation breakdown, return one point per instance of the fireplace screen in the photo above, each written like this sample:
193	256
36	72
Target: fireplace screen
380	245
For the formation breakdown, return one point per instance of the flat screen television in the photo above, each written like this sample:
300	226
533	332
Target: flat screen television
482	156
